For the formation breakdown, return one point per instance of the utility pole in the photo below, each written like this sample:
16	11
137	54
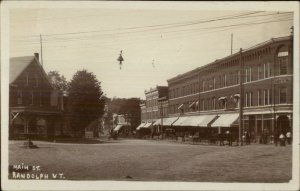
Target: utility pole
231	42
41	42
241	97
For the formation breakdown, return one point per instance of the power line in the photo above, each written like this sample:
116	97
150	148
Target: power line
174	31
178	24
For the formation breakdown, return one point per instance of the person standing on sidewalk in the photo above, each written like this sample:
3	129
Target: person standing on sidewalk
282	139
289	137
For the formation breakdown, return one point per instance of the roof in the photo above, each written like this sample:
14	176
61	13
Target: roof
216	62
18	64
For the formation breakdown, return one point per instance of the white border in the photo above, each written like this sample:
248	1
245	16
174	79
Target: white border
123	185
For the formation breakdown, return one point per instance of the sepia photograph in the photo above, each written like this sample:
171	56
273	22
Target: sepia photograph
131	95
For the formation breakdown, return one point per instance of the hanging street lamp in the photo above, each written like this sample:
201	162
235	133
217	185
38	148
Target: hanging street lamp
120	59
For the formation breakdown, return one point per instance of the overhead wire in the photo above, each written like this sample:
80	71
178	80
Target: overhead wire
185	30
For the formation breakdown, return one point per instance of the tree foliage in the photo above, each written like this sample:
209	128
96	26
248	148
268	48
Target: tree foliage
58	81
129	107
85	100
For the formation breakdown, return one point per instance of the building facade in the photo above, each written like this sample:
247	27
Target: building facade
35	107
150	109
255	83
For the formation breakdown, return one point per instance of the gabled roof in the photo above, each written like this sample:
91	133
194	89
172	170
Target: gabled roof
18	64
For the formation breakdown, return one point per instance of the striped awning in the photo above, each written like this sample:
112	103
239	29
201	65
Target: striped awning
226	120
198	121
180	121
118	127
169	121
140	126
147	125
158	121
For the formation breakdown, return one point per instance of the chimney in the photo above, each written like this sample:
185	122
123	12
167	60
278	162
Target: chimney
37	56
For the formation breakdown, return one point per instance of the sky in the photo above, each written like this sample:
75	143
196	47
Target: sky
156	44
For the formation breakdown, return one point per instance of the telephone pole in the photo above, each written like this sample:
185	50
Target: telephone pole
241	122
231	42
41	42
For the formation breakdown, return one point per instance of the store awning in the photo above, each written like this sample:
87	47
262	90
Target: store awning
206	120
118	127
141	125
169	121
198	121
226	120
192	105
147	125
180	121
158	121
180	107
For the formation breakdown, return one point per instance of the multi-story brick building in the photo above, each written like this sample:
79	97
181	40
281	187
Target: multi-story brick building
150	109
256	82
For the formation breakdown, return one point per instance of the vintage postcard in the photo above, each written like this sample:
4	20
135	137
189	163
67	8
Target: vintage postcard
133	95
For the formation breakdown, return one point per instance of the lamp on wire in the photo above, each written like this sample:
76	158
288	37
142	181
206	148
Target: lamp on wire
120	59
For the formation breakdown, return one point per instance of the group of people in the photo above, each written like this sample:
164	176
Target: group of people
283	139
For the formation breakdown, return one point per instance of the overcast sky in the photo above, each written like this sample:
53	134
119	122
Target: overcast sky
157	44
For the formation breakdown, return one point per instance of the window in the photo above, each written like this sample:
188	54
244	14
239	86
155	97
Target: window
246	99
267	70
283	95
259	97
214	103
214	83
250	99
260	71
27	79
225	80
31	98
19	98
36	80
266	97
270	97
283	65
203	85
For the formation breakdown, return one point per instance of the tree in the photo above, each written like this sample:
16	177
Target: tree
85	100
58	81
131	108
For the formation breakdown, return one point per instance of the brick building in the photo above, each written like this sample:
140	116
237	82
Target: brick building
150	109
251	90
210	96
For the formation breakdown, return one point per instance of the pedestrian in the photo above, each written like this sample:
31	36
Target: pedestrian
289	137
282	139
221	139
247	136
276	136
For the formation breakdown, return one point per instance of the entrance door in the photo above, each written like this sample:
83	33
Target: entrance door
283	124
